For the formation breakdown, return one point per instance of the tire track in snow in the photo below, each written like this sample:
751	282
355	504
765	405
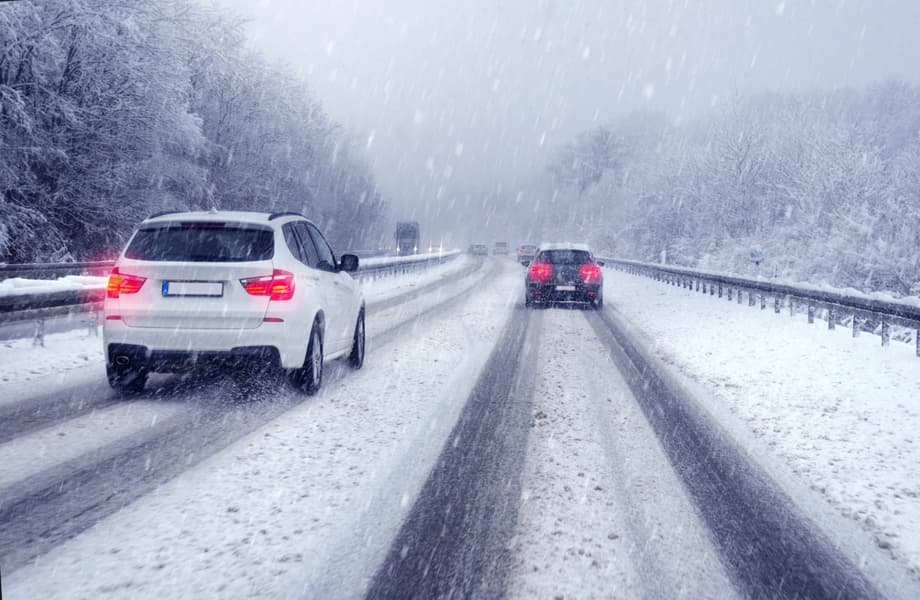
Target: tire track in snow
603	514
770	548
454	543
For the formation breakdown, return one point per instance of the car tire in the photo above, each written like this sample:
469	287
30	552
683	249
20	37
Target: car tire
126	381
309	378
356	358
599	303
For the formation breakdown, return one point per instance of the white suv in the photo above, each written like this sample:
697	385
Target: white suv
230	288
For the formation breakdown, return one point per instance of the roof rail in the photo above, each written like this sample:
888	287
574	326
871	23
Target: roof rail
277	215
164	213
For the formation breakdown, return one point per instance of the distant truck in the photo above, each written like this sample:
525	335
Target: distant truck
406	238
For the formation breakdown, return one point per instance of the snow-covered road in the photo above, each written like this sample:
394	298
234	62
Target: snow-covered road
484	450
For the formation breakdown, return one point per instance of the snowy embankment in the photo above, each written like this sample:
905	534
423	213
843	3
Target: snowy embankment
842	413
16	286
409	258
308	500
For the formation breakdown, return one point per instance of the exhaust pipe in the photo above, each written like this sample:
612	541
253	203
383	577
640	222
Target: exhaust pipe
122	360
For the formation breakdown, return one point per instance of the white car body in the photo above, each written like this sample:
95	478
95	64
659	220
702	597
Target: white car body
174	320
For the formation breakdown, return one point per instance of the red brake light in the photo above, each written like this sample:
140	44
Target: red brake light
278	286
590	273
121	283
541	272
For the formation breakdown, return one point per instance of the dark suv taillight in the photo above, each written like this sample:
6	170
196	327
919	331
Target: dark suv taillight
589	273
541	272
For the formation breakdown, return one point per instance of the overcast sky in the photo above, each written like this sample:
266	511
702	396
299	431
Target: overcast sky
453	98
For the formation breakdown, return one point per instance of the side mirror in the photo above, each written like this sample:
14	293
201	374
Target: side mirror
600	263
348	263
525	262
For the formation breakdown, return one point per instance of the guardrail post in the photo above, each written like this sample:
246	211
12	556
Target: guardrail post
831	318
720	290
855	325
886	334
730	294
763	302
39	339
777	304
712	290
811	313
697	285
739	295
751	298
92	324
917	342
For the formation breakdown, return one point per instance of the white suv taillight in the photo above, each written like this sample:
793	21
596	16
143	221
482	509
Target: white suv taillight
122	283
278	286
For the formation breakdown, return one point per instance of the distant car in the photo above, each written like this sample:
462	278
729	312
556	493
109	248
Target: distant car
237	289
565	273
500	248
479	250
526	252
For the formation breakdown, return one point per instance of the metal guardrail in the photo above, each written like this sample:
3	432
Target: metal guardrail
42	305
866	313
43	270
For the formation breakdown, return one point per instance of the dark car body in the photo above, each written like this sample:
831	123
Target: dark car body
479	250
566	273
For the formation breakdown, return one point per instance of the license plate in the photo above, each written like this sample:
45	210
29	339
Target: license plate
193	288
565	288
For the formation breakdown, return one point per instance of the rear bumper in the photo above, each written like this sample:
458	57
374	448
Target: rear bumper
126	356
184	348
548	293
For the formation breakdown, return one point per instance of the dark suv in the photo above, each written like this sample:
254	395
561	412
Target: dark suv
565	273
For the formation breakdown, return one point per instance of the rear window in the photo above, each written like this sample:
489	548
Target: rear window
201	242
565	257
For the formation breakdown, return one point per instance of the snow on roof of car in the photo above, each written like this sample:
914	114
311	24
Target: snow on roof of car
237	216
565	246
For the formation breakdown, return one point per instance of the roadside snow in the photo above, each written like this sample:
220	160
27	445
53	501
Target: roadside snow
384	288
17	285
410	258
603	514
842	413
307	504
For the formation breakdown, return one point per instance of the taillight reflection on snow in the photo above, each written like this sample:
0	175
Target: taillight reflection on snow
122	283
278	286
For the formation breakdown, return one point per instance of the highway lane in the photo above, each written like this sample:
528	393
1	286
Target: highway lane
40	512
